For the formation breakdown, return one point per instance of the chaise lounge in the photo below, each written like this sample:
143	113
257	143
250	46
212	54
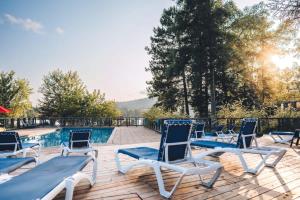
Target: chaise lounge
243	146
174	149
11	145
49	178
79	142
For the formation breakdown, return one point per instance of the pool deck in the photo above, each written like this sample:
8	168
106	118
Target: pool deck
140	183
34	131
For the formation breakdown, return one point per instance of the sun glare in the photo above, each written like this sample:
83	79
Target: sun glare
283	62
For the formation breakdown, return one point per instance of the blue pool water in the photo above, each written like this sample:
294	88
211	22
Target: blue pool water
99	135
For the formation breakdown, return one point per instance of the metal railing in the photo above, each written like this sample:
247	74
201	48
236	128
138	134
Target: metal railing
11	123
264	124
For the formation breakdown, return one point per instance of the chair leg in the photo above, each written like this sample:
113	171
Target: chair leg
215	177
69	188
279	157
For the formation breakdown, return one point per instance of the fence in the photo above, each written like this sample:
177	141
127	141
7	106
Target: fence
265	125
11	123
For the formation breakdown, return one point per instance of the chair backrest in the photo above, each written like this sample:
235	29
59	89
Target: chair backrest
231	127
80	138
219	128
198	129
10	141
174	131
248	127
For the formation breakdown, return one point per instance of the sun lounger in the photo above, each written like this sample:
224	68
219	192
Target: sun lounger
11	145
283	137
48	179
174	150
243	145
8	165
79	142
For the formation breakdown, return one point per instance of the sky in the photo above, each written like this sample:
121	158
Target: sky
103	40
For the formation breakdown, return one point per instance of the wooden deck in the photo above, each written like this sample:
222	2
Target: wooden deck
140	183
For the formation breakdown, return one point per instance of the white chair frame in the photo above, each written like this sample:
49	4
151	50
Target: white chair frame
70	182
280	139
36	150
209	167
264	152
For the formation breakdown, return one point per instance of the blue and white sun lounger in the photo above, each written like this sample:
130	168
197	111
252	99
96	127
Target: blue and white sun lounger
174	149
8	165
199	130
11	145
48	179
243	145
79	142
283	137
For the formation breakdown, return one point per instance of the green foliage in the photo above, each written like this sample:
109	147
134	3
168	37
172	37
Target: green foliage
287	114
158	113
65	95
237	110
210	52
14	94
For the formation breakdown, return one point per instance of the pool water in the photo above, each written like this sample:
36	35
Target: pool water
99	135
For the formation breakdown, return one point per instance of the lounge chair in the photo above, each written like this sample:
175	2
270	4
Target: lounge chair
79	142
217	135
198	131
283	137
8	165
50	178
11	145
243	145
174	149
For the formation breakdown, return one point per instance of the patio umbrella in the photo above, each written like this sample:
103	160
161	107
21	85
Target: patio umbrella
4	110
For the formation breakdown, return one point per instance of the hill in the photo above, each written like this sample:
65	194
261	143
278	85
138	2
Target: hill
136	107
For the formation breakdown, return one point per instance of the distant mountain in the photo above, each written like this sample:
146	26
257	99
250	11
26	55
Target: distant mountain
136	107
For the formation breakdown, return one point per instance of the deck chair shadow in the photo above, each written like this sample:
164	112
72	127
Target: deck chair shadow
11	145
48	179
174	150
243	146
79	142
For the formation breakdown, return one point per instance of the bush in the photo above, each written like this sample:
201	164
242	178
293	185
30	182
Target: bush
157	113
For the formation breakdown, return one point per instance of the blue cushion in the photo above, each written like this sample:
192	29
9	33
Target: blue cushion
39	181
8	165
140	152
212	144
282	133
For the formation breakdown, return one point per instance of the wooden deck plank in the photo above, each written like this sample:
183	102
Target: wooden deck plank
140	183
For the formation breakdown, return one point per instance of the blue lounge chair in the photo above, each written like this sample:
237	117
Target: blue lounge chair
8	165
243	145
199	130
283	137
48	179
174	149
11	145
216	135
79	142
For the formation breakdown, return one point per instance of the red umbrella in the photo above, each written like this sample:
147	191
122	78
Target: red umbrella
4	110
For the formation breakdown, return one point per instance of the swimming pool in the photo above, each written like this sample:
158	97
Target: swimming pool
99	135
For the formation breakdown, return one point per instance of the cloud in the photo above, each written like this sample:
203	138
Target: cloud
59	30
28	24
